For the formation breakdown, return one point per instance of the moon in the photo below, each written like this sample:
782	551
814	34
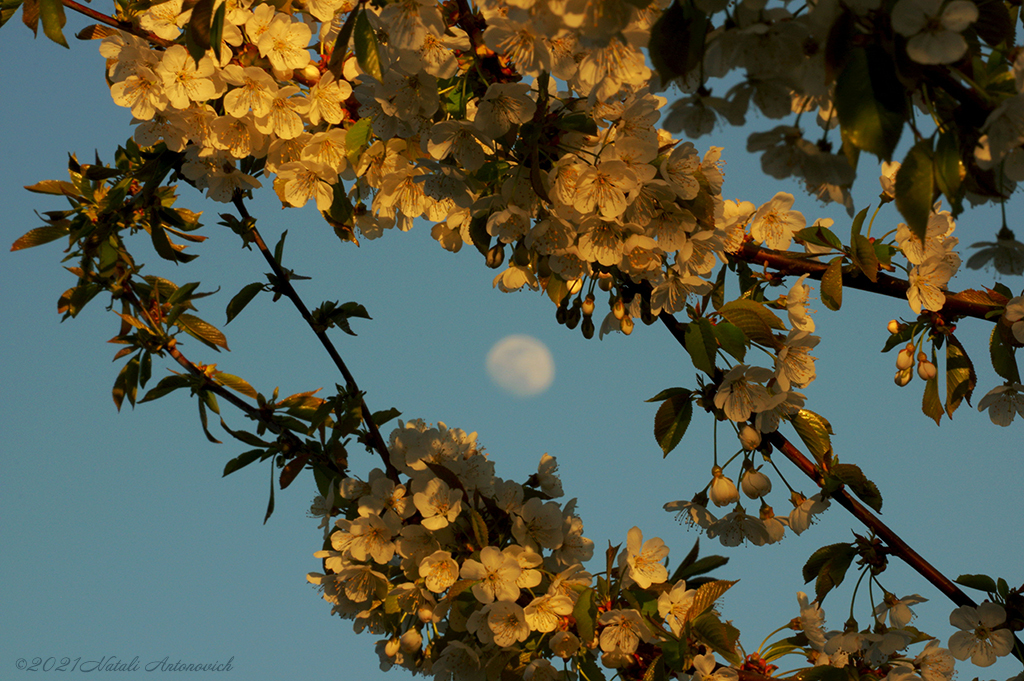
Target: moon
521	365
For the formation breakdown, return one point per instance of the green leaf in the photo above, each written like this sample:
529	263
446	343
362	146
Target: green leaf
814	430
589	669
858	222
366	48
994	24
54	187
52	14
717	635
731	338
217	29
235	383
279	248
900	337
979	582
667	393
674	653
700	567
29	15
1003	356
701	344
244	436
915	188
356	138
829	565
671	421
871	102
947	169
819	235
42	235
706	596
585	614
337	61
960	376
167	385
241	299
163	245
676	42
270	503
754	319
931	405
241	461
479	527
853	477
202	330
292	469
146	370
832	284
183	293
864	257
382	417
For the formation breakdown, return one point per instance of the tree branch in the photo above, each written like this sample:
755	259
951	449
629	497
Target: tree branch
962	304
893	542
125	26
286	288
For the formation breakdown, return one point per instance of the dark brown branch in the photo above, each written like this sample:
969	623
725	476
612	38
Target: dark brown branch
285	287
894	543
125	26
957	304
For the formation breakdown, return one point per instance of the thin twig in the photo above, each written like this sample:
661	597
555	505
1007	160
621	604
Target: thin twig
125	26
285	287
172	348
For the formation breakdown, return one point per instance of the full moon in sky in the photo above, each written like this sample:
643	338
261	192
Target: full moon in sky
521	365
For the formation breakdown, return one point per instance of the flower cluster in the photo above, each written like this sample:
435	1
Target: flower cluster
879	649
459	569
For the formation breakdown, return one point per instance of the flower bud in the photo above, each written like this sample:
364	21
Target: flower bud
521	254
723	490
543	267
309	75
927	370
626	325
755	484
893	327
905	358
572	317
619	309
605	283
588	328
588	305
411	641
496	256
903	376
750	438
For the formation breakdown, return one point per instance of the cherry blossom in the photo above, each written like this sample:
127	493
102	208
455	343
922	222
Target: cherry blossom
978	638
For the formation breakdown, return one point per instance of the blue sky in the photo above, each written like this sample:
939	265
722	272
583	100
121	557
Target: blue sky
121	538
